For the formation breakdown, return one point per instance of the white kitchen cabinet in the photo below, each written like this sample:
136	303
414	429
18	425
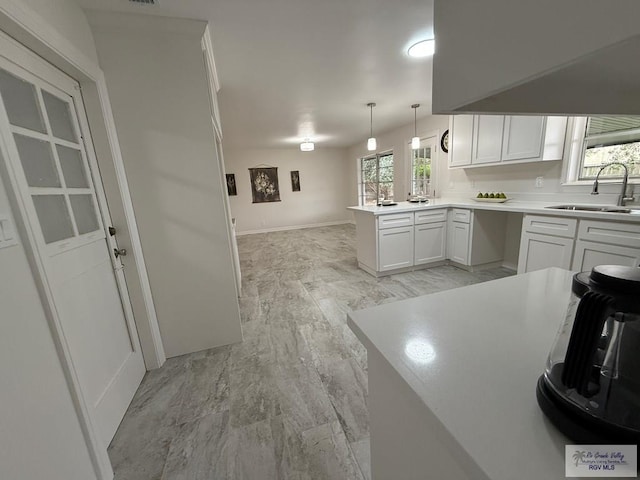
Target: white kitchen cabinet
546	241
539	251
606	243
395	248
487	139
460	140
522	138
590	254
458	242
430	243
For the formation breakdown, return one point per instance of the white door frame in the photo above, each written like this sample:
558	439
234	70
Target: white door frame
31	30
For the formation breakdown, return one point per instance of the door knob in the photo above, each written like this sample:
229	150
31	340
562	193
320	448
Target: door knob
119	251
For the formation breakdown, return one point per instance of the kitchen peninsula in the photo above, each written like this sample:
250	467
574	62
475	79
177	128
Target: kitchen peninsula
474	235
452	380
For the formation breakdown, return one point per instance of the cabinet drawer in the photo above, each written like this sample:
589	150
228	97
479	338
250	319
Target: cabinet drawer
624	234
558	226
460	215
395	220
431	216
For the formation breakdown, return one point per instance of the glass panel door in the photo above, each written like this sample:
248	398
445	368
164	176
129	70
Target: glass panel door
53	161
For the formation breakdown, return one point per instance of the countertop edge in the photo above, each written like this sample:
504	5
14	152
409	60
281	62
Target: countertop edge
538	208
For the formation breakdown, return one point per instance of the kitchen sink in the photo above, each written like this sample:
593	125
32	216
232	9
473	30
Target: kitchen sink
592	208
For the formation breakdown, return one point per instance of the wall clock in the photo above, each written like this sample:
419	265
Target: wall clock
444	142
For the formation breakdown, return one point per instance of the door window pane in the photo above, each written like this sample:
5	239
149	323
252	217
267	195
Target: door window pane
21	102
37	162
84	213
59	117
53	216
72	167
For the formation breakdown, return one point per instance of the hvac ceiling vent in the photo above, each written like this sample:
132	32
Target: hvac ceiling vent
145	2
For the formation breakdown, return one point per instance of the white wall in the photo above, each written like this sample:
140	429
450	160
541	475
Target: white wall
322	199
66	18
156	78
40	435
398	140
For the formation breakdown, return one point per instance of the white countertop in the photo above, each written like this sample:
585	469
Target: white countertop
473	355
509	206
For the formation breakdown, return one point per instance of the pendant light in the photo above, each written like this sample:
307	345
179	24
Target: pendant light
415	141
371	142
307	146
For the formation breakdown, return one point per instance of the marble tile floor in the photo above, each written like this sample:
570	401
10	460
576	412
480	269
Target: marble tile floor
290	402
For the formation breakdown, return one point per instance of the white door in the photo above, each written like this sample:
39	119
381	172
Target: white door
58	183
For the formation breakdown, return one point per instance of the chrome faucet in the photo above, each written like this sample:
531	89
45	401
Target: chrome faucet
623	194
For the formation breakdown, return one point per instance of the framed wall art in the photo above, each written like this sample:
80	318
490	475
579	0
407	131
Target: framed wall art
295	181
231	184
264	184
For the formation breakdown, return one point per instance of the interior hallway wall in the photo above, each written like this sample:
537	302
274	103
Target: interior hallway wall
156	77
322	199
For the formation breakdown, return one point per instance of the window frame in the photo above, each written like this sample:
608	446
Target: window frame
576	146
361	178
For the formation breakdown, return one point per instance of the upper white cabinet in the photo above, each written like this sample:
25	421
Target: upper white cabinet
487	139
460	135
523	138
483	140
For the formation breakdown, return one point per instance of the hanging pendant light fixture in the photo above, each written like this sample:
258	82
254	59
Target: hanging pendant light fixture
415	141
371	142
307	146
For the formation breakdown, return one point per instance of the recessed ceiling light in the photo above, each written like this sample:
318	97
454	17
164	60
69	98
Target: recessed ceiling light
425	48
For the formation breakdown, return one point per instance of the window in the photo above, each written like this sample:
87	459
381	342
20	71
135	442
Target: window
421	161
610	139
376	178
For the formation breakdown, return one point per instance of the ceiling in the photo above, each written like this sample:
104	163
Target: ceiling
296	69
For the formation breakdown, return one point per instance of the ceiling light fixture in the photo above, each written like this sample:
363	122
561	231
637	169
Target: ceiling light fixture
371	142
307	146
424	48
415	141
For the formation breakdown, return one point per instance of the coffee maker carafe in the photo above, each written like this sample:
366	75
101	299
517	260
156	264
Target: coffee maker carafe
591	387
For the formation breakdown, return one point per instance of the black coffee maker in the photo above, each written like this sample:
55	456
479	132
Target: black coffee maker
591	387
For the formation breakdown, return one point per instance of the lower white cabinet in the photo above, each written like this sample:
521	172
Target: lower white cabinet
577	245
430	243
538	251
590	254
458	242
395	248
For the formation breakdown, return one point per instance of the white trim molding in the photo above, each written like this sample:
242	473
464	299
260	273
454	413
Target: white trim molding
295	227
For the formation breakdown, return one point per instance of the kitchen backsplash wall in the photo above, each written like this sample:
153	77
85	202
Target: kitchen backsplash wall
526	181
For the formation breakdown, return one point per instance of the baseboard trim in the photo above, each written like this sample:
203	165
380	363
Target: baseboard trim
293	227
